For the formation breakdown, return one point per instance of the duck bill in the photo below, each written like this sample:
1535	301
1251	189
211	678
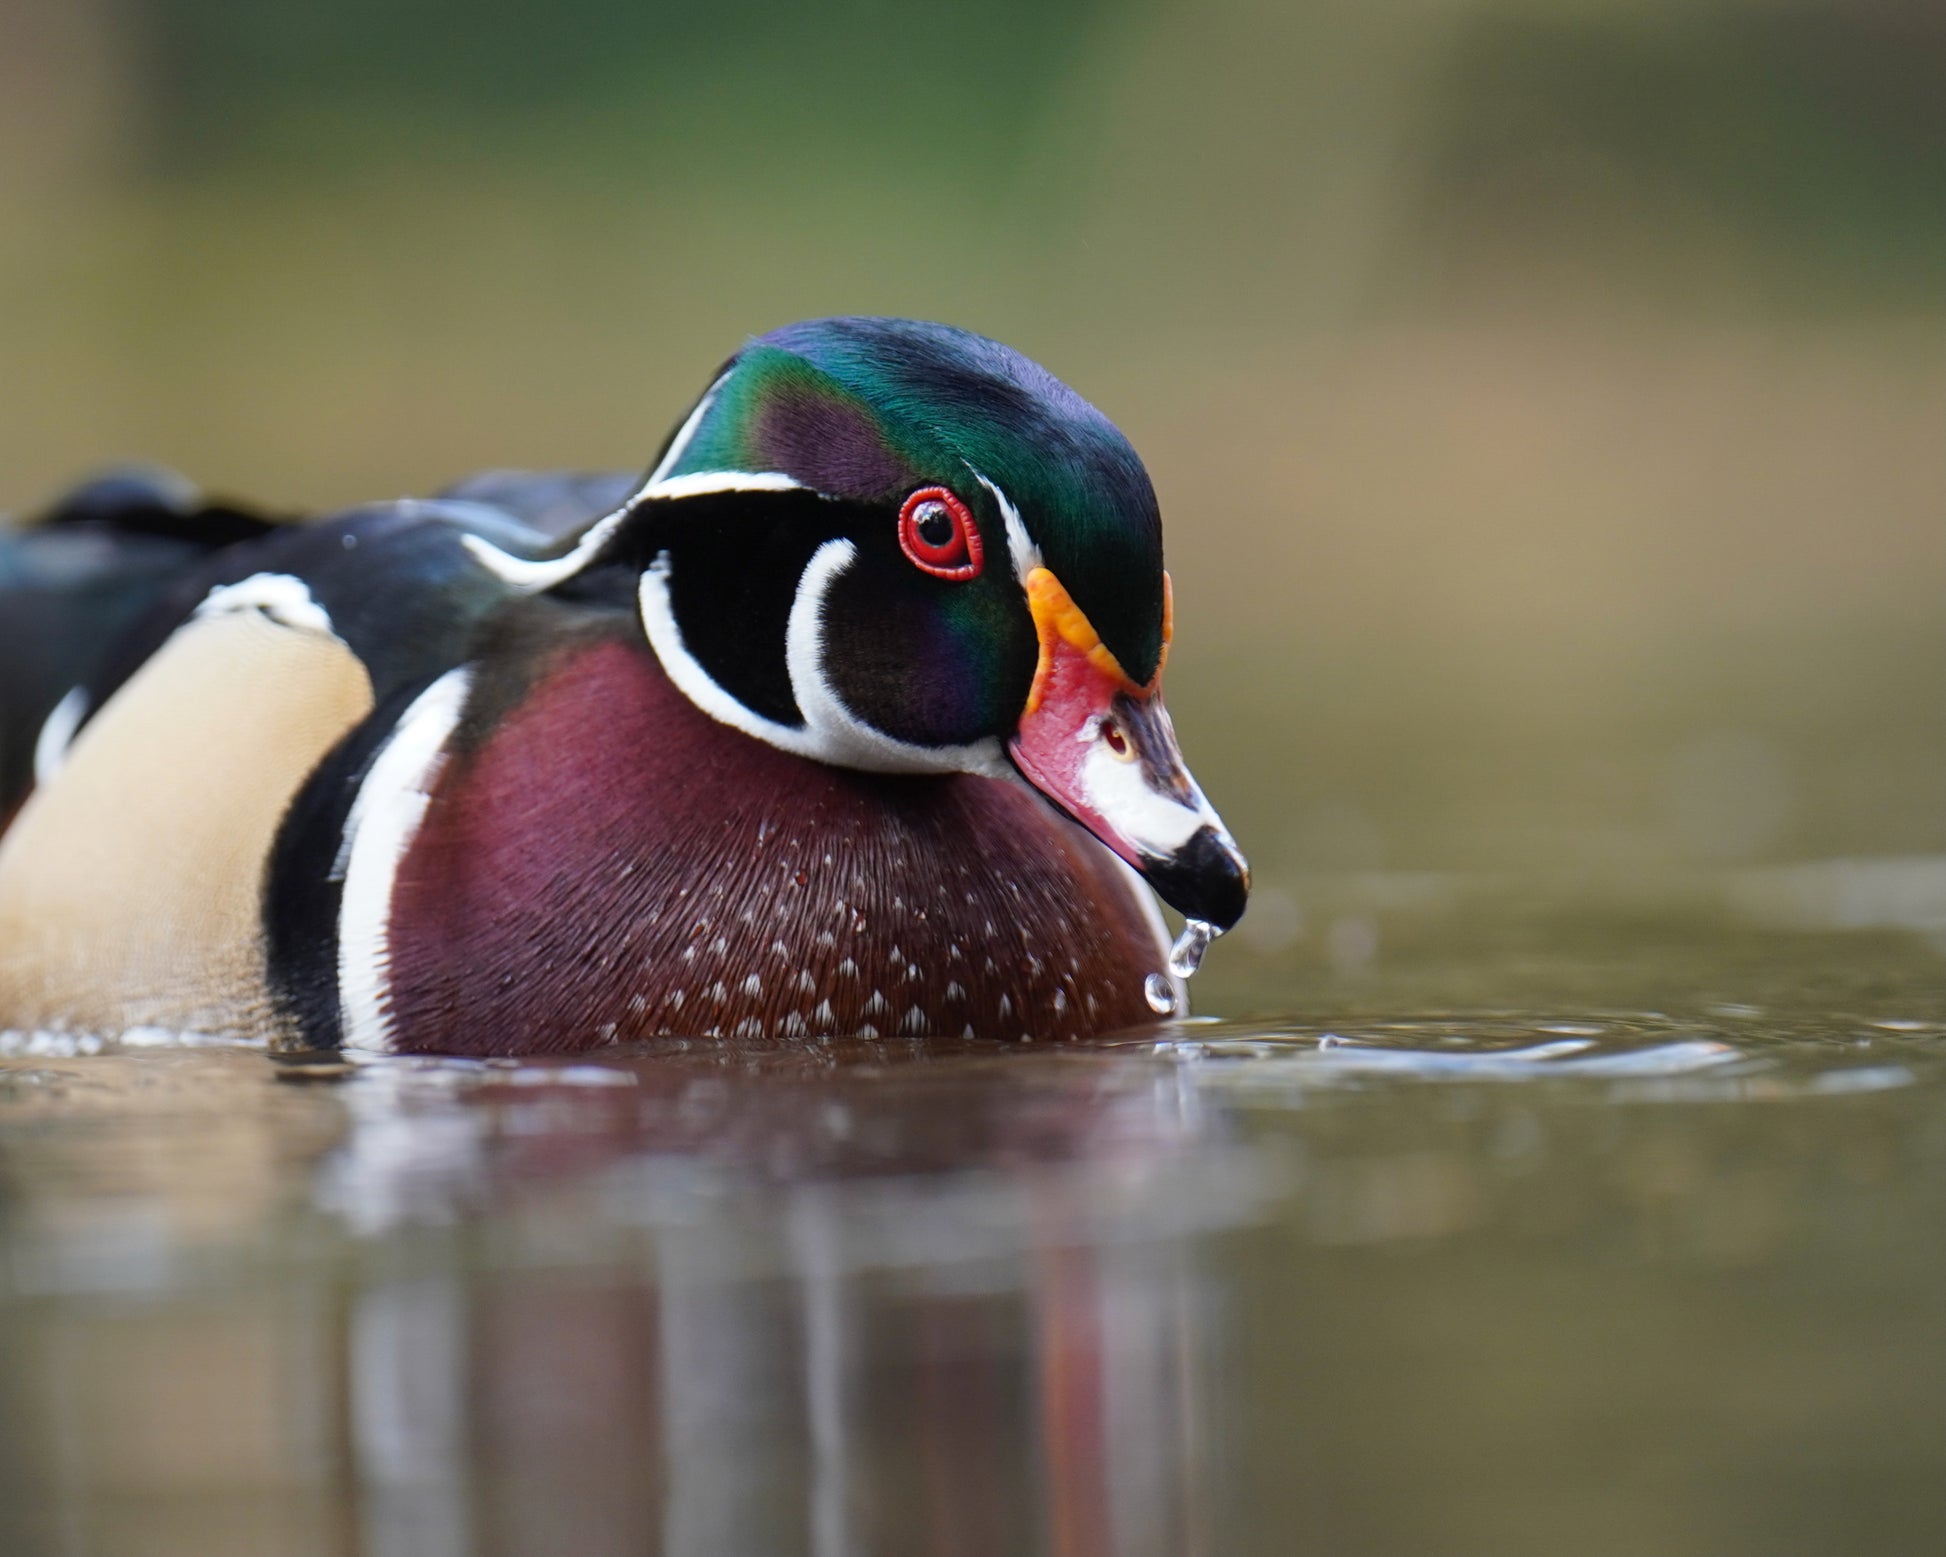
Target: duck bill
1102	749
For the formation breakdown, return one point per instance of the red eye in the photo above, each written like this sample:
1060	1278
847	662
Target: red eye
937	532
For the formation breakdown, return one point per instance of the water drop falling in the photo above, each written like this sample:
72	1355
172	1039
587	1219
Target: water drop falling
1186	956
1164	992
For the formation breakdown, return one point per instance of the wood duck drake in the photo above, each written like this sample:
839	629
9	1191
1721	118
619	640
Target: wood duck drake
550	762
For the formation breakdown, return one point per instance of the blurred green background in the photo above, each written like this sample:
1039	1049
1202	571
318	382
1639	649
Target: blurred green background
1545	395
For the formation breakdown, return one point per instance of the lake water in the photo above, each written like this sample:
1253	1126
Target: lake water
1523	1227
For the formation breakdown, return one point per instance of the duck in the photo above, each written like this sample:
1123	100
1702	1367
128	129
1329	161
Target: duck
844	720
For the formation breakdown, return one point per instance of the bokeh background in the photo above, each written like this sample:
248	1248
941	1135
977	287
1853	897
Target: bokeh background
1545	395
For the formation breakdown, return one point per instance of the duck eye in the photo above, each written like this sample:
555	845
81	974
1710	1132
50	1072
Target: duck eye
937	533
934	522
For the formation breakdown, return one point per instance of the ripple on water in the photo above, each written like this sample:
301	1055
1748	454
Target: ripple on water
1637	1056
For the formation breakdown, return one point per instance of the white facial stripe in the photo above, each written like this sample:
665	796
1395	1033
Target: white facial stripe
1026	556
385	818
533	577
57	735
841	737
695	683
285	599
830	732
700	483
1153	822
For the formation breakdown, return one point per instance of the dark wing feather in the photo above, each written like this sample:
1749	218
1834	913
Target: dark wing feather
75	579
91	589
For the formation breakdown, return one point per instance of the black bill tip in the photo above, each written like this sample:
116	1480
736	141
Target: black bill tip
1205	879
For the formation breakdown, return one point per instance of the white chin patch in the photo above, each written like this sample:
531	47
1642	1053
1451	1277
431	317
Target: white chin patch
1154	823
830	732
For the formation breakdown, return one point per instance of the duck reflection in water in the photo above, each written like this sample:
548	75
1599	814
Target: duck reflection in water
703	1304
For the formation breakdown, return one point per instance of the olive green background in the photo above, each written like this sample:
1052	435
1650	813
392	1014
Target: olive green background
1545	398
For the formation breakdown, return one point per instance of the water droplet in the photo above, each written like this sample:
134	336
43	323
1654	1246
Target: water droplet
1160	994
1186	956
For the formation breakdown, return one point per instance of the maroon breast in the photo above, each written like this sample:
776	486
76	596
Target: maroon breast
611	864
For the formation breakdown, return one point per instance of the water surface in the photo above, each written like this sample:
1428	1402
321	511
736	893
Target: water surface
1520	1235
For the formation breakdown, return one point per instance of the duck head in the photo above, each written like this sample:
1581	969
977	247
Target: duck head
903	547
